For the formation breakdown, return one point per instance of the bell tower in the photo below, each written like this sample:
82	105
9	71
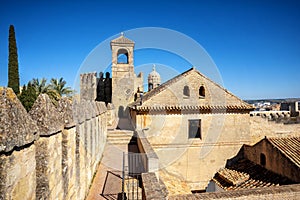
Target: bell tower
123	76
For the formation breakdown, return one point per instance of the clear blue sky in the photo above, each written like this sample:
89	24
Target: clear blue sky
255	44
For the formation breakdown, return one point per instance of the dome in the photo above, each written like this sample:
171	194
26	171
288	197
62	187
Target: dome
153	79
154	76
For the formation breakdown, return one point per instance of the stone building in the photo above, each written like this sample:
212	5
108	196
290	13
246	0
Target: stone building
189	120
191	126
185	130
125	83
273	161
280	155
189	117
292	106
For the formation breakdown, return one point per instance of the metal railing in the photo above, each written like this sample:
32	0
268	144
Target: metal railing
133	167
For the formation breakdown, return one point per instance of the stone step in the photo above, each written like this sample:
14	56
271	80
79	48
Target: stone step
119	136
120	132
118	142
123	135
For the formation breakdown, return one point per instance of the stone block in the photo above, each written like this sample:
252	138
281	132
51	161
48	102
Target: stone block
18	175
17	128
46	115
65	109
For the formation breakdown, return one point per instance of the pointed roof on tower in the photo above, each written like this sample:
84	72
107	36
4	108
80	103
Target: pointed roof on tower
122	40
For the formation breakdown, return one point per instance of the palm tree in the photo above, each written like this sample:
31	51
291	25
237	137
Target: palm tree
59	86
41	87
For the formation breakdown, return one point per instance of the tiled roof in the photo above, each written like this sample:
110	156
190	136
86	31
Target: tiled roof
122	40
245	175
274	193
289	146
232	176
240	105
207	108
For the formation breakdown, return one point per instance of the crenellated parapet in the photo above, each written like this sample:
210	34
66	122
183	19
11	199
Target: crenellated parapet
46	115
88	86
52	151
66	112
96	88
16	127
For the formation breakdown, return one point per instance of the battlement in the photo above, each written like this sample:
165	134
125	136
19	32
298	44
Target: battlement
51	152
88	86
93	87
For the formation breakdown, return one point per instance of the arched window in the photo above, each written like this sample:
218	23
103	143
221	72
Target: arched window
262	159
186	91
150	86
201	91
122	56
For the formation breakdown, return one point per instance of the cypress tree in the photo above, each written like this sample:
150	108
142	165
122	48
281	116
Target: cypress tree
28	96
13	68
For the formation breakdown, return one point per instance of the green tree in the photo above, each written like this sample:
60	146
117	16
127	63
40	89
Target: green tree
55	90
60	87
41	87
28	96
13	66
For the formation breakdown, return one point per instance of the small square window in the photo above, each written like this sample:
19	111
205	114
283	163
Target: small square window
194	128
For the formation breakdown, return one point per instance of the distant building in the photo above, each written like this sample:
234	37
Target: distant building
293	107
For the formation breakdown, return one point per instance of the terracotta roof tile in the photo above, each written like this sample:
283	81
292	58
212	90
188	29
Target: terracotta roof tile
233	177
190	107
289	146
245	175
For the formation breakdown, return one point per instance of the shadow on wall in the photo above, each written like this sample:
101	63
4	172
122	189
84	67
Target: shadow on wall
123	112
125	122
104	88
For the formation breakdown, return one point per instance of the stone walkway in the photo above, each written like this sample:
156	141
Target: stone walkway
108	176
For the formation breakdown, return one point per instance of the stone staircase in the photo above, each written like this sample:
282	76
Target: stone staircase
119	137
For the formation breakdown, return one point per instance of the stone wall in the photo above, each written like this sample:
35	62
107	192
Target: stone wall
50	152
275	160
195	160
149	158
88	86
93	88
153	188
261	127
